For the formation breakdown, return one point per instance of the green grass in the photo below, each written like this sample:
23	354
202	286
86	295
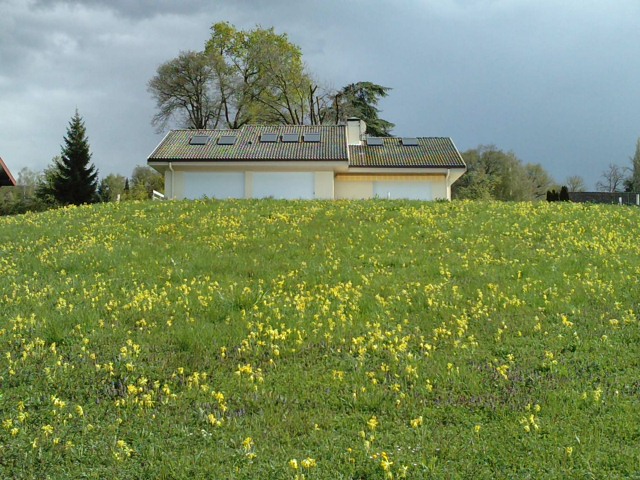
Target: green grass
374	339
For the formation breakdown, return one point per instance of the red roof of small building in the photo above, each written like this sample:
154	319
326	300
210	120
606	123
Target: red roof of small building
6	179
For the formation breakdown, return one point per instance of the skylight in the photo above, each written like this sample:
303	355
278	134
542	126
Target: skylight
227	140
269	137
312	137
290	138
409	142
199	140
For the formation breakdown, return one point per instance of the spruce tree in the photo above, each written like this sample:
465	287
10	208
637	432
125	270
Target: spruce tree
76	178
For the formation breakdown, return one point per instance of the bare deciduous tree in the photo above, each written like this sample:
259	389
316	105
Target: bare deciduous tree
575	183
612	179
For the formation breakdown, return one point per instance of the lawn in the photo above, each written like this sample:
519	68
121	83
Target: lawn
311	339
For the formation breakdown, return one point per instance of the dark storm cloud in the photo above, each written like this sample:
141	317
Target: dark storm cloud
136	9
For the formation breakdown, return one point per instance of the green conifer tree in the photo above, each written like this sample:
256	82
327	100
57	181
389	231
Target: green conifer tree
75	180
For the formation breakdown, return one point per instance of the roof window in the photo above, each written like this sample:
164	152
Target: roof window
269	137
312	137
199	140
409	142
290	138
227	140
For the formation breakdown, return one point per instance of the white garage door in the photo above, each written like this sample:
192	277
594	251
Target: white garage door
408	190
214	185
288	185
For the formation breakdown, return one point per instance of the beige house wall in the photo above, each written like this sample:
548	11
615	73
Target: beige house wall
355	187
174	185
332	183
324	185
353	190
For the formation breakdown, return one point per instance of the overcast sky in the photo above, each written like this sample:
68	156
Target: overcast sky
557	83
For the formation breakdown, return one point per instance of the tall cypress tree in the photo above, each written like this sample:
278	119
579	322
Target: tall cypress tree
76	178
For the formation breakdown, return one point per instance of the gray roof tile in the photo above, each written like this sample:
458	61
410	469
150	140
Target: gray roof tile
434	152
332	145
430	152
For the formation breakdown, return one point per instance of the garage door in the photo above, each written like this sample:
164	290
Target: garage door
289	185
408	190
214	185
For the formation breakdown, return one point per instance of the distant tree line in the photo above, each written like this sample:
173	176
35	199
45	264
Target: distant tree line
27	196
493	174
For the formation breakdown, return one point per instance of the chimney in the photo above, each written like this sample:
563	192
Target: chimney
355	131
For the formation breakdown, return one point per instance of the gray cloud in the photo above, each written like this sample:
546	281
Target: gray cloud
138	9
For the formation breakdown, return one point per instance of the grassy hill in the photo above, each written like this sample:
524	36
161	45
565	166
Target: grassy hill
267	339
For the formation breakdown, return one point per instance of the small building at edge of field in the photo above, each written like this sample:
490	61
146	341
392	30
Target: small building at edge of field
6	179
305	162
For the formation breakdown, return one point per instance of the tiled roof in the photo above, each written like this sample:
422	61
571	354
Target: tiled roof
332	145
6	179
429	152
434	152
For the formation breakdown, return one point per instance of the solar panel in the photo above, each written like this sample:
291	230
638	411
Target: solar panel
227	140
290	137
312	137
409	142
375	141
269	137
199	140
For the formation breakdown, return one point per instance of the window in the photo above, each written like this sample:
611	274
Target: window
199	140
269	137
227	140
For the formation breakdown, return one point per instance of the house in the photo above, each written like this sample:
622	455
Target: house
305	161
6	179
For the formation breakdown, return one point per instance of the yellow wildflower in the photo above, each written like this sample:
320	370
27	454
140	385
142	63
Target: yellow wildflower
309	463
373	423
